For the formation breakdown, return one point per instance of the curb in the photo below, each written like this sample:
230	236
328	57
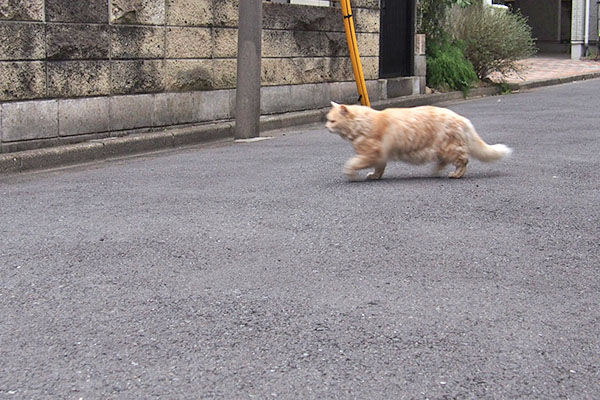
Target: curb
515	87
102	149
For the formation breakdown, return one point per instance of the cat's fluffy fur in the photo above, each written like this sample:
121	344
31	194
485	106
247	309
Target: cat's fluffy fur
415	135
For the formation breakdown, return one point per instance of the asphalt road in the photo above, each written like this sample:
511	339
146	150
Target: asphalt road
239	271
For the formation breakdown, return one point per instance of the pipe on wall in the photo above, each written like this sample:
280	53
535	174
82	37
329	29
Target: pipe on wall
586	38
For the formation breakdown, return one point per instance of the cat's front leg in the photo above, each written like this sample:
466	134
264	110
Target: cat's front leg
378	173
354	165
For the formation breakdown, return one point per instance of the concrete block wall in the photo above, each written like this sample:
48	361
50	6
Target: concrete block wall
82	48
73	70
308	44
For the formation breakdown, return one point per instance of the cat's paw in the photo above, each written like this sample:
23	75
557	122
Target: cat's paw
455	175
372	176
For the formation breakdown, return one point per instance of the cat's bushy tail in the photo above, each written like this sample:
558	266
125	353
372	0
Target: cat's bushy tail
483	151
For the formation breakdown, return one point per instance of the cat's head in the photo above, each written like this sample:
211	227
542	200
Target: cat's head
337	118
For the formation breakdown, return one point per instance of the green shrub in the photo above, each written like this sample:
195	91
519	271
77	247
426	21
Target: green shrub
447	67
494	39
432	18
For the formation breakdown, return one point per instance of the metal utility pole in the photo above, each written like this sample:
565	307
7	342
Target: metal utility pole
247	103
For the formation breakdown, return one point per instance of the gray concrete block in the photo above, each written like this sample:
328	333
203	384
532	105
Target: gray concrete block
131	112
280	43
366	20
405	86
137	42
374	90
287	120
185	75
78	78
22	80
232	102
69	42
420	44
280	99
343	92
420	65
91	11
224	73
22	10
225	42
189	42
273	99
225	13
365	4
27	41
422	84
137	76
347	92
213	105
83	116
290	71
368	44
173	109
302	18
382	89
416	81
370	67
339	69
29	120
137	12
189	12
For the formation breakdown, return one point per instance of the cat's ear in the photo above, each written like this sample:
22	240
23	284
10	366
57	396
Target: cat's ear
334	104
344	109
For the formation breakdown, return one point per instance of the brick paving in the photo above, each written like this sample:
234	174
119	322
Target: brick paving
550	67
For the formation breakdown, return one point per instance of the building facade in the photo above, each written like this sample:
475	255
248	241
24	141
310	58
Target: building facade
562	26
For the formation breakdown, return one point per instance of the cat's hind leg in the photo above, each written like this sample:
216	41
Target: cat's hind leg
355	164
378	173
461	167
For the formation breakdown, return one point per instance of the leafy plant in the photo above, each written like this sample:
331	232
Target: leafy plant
432	18
447	67
504	87
494	40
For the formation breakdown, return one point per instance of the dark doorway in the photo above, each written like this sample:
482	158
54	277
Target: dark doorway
566	10
396	41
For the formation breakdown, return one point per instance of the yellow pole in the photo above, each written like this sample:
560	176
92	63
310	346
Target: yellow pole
354	54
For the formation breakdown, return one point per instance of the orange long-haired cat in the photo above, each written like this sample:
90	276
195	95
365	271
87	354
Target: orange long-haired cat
415	135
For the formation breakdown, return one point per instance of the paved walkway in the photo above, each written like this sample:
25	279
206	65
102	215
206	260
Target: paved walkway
546	67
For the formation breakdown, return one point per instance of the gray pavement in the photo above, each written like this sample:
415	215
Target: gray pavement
257	271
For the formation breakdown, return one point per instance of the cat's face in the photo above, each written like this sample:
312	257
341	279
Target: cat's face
336	117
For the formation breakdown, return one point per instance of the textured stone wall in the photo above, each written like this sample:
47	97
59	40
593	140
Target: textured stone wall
308	44
82	48
75	70
75	48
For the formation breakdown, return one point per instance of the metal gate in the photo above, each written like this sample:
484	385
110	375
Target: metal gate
396	41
